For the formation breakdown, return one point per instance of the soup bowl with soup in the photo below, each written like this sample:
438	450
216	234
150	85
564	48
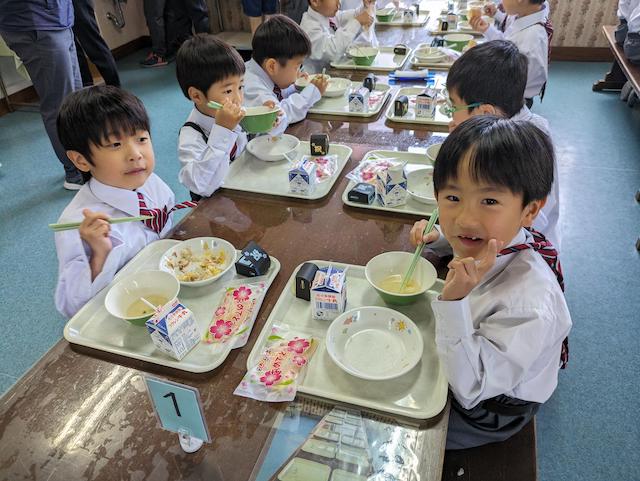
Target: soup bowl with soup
386	271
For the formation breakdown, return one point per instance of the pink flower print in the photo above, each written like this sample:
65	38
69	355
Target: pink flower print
299	360
270	377
241	294
221	328
220	311
298	345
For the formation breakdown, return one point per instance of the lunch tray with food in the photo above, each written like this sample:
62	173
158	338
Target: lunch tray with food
94	327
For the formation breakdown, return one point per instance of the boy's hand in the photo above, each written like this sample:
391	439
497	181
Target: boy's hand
364	18
230	115
465	274
321	82
490	9
94	230
303	74
272	105
478	24
415	236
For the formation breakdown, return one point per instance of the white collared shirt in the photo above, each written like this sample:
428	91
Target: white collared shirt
326	45
75	287
355	4
204	165
633	16
532	40
626	8
258	89
548	220
505	336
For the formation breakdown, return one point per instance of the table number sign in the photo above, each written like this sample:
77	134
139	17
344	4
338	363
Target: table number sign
179	410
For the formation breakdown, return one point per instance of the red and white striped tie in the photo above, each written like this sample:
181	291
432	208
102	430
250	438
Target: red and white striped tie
543	247
159	216
278	92
333	25
234	150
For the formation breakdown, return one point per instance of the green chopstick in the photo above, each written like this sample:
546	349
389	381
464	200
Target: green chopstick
212	104
416	254
115	220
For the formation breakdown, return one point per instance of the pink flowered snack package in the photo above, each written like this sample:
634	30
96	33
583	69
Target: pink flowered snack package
280	367
233	319
326	165
368	169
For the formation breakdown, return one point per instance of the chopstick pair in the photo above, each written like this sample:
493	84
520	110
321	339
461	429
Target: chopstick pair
116	220
416	254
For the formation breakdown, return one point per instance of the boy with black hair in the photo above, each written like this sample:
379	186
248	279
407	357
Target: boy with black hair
531	31
331	31
209	69
279	48
105	131
502	320
490	79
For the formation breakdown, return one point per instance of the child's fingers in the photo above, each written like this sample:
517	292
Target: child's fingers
415	235
270	103
489	259
431	237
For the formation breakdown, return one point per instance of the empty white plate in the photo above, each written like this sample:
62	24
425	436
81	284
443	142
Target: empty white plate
273	148
420	185
374	343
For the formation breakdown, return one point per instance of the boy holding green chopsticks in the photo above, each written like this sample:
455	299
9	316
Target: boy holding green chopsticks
105	131
501	320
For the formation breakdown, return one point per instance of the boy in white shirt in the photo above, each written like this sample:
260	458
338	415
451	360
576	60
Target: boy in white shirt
501	320
490	79
105	131
528	31
279	48
209	69
331	31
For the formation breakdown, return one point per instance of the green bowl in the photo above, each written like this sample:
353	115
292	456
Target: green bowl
397	263
363	55
385	14
457	41
259	119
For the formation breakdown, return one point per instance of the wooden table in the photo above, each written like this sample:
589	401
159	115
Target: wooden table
621	69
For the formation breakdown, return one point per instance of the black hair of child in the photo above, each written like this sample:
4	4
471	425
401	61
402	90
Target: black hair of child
492	73
514	154
89	115
203	60
280	38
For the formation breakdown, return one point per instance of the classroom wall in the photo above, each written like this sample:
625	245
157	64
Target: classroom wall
134	28
578	23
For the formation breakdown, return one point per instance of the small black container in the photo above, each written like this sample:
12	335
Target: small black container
304	279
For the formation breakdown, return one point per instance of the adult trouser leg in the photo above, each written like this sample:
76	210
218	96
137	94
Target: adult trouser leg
87	31
50	59
154	14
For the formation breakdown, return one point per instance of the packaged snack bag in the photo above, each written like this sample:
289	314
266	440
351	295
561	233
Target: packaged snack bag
280	367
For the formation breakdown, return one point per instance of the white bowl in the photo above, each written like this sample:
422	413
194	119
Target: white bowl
147	284
198	245
432	151
464	26
273	148
420	185
337	87
374	343
430	54
302	82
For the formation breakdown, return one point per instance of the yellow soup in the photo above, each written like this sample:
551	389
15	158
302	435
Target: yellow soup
393	283
140	309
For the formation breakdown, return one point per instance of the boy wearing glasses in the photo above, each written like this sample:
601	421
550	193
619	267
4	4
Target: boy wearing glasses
491	79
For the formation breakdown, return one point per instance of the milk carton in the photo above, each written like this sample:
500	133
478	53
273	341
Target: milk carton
426	103
174	329
359	100
328	293
391	186
302	177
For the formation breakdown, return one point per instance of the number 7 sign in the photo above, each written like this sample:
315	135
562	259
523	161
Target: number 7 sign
178	408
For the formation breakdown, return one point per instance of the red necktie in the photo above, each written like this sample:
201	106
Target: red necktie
159	216
278	91
332	25
234	150
550	255
548	27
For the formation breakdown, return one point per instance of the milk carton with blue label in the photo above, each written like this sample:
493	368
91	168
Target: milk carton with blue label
174	330
391	186
359	100
426	103
302	177
328	293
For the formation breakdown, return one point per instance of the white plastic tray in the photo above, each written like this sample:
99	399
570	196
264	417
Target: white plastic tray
410	117
94	327
250	174
413	207
419	394
397	21
385	61
340	105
